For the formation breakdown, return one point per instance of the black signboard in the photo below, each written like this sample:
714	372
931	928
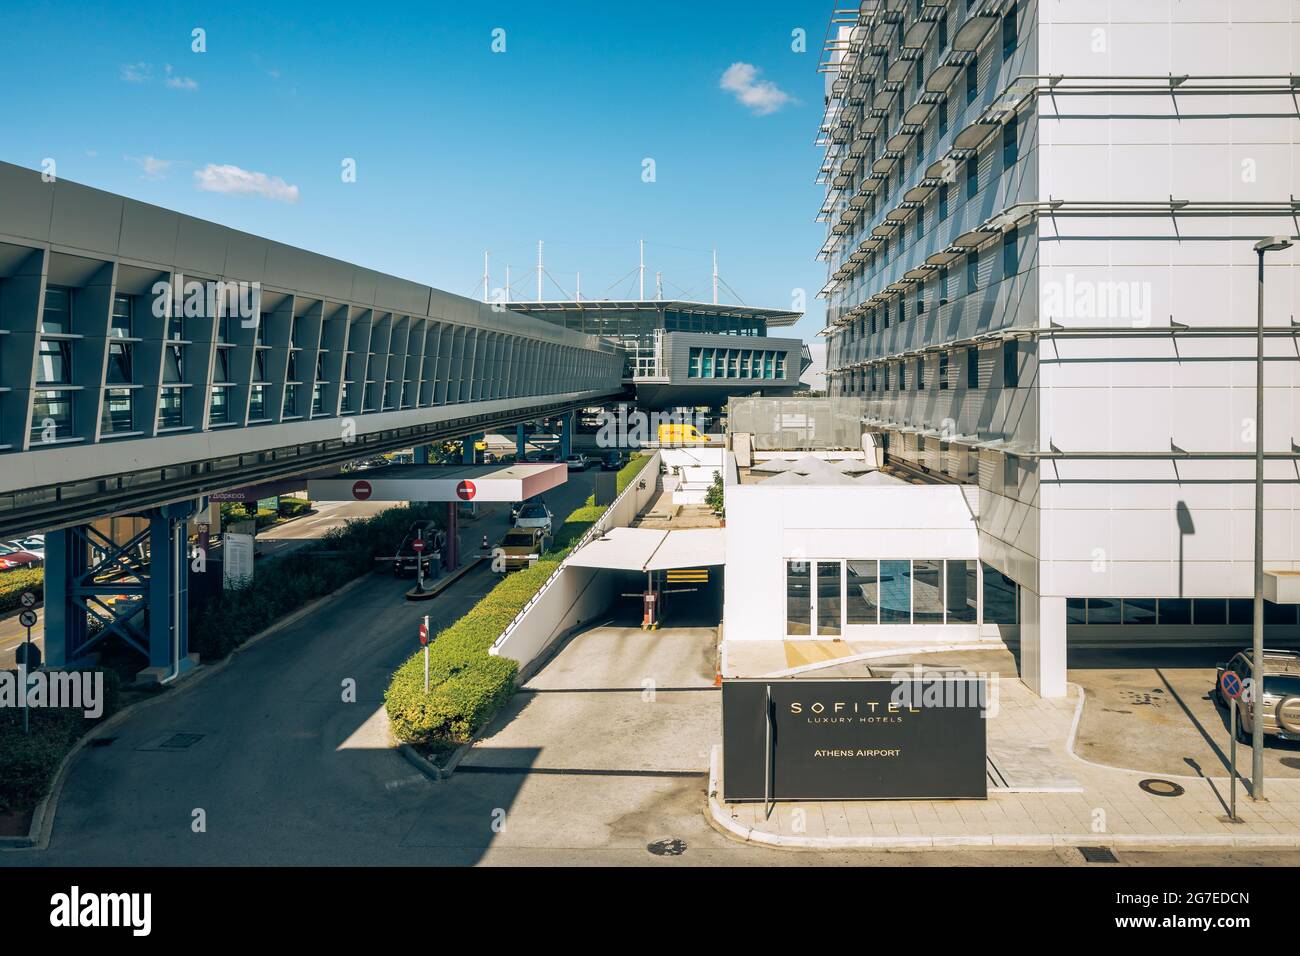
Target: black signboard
864	739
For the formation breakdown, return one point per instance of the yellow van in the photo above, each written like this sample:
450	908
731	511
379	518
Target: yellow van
681	435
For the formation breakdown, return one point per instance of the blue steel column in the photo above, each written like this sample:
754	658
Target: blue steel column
521	442
169	575
65	623
421	454
566	435
468	453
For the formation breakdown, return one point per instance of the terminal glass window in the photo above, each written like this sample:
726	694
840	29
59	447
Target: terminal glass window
927	592
895	592
798	598
116	416
706	369
119	363
257	403
56	318
51	416
121	322
693	369
220	413
169	408
56	361
862	595
1103	610
1139	610
828	598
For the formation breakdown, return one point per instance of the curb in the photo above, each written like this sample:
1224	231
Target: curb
720	819
42	825
446	581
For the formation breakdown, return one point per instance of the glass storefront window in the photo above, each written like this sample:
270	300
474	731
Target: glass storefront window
1103	611
798	598
1174	611
962	592
1209	611
927	592
828	598
1139	611
1000	593
862	601
895	592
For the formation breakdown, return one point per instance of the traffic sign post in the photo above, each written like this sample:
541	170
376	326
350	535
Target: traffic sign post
27	600
424	639
1230	686
418	547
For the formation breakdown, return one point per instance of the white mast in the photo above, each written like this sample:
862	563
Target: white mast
507	290
486	280
539	270
715	276
579	286
641	246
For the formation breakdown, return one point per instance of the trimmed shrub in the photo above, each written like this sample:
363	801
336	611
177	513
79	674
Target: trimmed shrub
14	583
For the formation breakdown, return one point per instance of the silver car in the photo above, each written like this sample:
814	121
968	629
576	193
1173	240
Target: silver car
1280	704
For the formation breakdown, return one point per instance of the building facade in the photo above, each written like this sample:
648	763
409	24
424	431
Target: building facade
688	353
1042	279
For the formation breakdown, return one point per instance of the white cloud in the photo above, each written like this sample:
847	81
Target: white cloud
760	96
136	72
179	82
153	167
214	178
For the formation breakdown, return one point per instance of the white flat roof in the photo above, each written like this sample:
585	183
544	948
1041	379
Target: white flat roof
650	549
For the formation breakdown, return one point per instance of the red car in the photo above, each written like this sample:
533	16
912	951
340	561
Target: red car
11	557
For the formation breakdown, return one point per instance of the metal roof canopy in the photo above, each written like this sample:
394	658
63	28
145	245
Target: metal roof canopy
775	317
650	549
516	482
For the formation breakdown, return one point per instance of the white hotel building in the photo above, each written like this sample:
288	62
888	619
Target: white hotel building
1042	280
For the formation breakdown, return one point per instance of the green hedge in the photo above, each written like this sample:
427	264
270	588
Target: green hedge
14	583
28	761
282	585
467	685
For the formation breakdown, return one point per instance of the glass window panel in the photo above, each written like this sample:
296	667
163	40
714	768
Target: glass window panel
116	417
257	403
1076	610
863	597
220	411
1241	611
895	592
1209	611
798	598
173	364
57	315
1139	610
56	362
121	324
963	593
927	592
1174	611
119	363
51	416
1279	613
828	598
1103	610
169	408
999	597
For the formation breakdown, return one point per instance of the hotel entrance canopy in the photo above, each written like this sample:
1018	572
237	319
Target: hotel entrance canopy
517	482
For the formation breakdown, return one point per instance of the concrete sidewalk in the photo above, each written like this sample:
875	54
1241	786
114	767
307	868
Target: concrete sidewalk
1043	796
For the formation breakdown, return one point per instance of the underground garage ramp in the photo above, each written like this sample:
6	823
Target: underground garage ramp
649	549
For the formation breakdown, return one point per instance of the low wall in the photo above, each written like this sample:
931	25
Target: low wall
574	596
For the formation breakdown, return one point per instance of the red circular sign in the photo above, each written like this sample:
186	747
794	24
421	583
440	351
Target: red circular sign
424	634
466	490
361	490
417	545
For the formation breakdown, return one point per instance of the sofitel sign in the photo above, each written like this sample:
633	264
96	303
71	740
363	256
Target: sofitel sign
865	739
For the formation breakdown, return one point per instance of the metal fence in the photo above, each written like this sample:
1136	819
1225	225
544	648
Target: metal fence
798	424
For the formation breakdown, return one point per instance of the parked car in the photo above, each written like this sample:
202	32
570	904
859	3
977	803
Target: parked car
516	505
33	544
1279	706
434	539
12	556
611	461
577	462
534	514
522	546
540	456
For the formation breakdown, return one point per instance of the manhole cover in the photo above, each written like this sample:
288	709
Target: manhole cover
1098	854
1161	788
667	848
181	741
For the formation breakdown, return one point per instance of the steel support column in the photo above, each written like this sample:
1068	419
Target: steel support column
521	441
567	422
421	454
468	449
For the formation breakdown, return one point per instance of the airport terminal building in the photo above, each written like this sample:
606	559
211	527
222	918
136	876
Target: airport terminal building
1043	282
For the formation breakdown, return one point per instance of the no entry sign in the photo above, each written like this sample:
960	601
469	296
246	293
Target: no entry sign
466	490
361	490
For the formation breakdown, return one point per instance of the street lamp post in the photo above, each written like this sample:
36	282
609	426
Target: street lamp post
1272	244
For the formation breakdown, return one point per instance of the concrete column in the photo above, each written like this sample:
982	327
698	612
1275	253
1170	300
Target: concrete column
468	453
1042	643
421	454
521	442
168	595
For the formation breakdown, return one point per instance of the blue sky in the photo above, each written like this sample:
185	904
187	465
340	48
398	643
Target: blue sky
457	148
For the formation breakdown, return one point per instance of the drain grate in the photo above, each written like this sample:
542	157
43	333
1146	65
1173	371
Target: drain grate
181	741
667	847
1098	854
